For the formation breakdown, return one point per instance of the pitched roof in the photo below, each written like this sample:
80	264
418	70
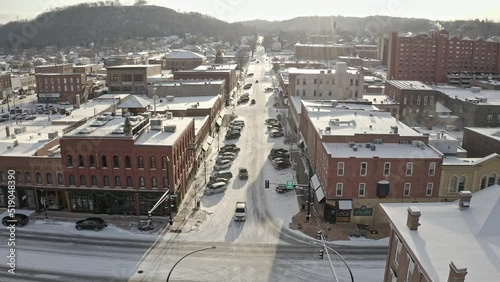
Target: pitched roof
134	102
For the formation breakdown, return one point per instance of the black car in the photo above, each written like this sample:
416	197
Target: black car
233	135
92	223
252	102
19	220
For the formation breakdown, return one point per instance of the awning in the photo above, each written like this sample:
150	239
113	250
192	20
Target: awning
205	146
345	205
210	139
315	182
320	195
219	121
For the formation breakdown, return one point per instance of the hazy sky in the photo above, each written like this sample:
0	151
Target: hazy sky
238	10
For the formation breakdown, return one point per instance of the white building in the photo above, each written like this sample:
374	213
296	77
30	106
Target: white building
340	83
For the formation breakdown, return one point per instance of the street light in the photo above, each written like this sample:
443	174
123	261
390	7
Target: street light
204	249
309	175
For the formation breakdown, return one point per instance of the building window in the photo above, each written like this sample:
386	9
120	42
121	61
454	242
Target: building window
315	81
431	100
164	162
411	268
142	182
140	162
428	190
304	92
399	246
116	163
498	118
69	160
409	169
93	178
432	169
329	93
152	162
425	100
340	189
304	81
452	186
462	181
128	164
314	92
298	81
489	118
105	181
80	161
83	181
418	100
71	180
117	182
333	81
362	189
491	179
405	99
49	178
154	183
19	177
104	161
387	169
38	178
60	179
351	82
340	169
165	182
407	190
363	169
129	181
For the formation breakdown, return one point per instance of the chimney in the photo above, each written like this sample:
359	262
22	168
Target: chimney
464	201
77	100
430	121
456	274
413	217
7	131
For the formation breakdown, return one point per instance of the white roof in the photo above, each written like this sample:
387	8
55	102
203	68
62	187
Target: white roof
409	85
215	67
182	54
383	151
198	123
133	66
379	99
177	83
493	133
469	237
182	103
318	71
161	138
492	96
87	110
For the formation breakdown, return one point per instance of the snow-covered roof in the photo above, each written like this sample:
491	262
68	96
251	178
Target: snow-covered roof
440	108
320	71
164	138
215	67
183	54
467	161
382	151
134	102
379	99
87	110
409	85
172	83
492	96
469	237
183	103
132	66
493	133
198	123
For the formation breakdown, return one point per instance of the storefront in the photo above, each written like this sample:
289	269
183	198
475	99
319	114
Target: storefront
148	199
55	199
103	202
338	211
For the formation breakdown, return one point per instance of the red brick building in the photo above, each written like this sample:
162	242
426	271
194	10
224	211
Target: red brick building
56	68
431	57
5	85
58	87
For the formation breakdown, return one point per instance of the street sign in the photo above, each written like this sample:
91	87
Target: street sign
289	184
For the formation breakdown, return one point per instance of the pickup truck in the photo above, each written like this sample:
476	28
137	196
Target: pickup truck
240	212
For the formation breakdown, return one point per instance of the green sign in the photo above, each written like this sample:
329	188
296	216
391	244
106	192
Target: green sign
289	184
363	211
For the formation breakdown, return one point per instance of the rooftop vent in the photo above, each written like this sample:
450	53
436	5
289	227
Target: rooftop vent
170	115
20	130
413	218
355	149
328	129
170	97
16	143
351	144
118	130
170	128
156	124
373	147
53	135
464	201
475	89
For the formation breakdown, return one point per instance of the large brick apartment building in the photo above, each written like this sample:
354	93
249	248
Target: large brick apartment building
5	85
431	57
55	68
58	87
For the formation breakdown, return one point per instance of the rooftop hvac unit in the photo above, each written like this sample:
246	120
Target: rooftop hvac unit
355	149
368	145
16	143
20	130
156	124
170	115
475	89
170	98
194	106
50	153
328	129
53	135
373	147
170	128
13	136
351	144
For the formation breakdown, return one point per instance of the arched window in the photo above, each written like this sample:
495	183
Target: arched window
128	164
69	160
116	163
19	177
91	161
105	181
462	182
152	162
483	182
28	177
154	183
49	178
140	162
104	161
165	182
452	188
164	162
38	178
83	182
117	181
60	179
80	161
142	182
71	180
492	179
94	180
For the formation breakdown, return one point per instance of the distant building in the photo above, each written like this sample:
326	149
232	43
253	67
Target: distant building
56	87
183	60
481	141
55	68
187	88
86	69
277	66
23	81
5	85
325	52
130	78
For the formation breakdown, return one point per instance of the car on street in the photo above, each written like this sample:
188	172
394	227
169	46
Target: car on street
18	220
233	135
234	128
276	133
281	188
252	102
269	89
31	118
220	179
247	86
228	154
240	212
238	123
218	187
249	74
280	163
223	150
278	151
271	120
220	158
223	166
223	161
91	223
222	174
65	103
243	173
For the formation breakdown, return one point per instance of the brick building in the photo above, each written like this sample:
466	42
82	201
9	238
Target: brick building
86	69
325	52
277	66
444	241
56	68
183	60
5	85
58	87
481	142
431	57
131	79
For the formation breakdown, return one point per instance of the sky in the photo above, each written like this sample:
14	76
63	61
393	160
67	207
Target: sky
240	10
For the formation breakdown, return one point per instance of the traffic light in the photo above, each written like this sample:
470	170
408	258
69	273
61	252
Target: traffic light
320	253
266	184
318	236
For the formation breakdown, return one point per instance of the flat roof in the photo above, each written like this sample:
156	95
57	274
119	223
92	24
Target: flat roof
183	103
177	83
492	96
409	85
380	99
151	137
133	66
215	67
469	237
199	122
383	151
88	110
318	71
493	133
436	133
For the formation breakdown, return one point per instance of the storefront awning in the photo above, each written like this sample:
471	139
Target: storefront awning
315	182
205	146
345	205
219	121
320	195
209	140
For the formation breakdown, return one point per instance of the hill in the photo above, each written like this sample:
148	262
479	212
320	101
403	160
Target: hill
99	22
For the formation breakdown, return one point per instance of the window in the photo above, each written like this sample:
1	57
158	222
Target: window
104	161
94	180
304	92
60	179
340	189
399	245
351	82
69	160
140	162
152	162
405	99
165	182
411	268
329	93
314	92
418	100
432	169
154	183
38	178
461	183
83	181
127	162
142	182
362	189
333	81
315	81
304	81
117	181
491	179
91	161
80	161
409	169
428	190
452	186
363	169
116	163
164	162
340	169
431	100
105	181
129	181
71	180
49	178
298	81
407	190
387	169
425	100
489	118
19	177
498	118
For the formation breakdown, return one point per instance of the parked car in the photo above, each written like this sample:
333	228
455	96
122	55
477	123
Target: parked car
65	103
278	151
247	86
92	223
223	150
281	188
243	173
220	179
216	188
268	89
230	146
271	120
224	166
276	133
18	220
228	154
233	135
220	158
238	123
235	129
240	212
250	75
252	102
280	163
222	174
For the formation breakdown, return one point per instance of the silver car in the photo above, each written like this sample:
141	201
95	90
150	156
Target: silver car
215	188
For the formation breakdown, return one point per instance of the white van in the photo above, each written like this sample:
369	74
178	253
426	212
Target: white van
240	213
